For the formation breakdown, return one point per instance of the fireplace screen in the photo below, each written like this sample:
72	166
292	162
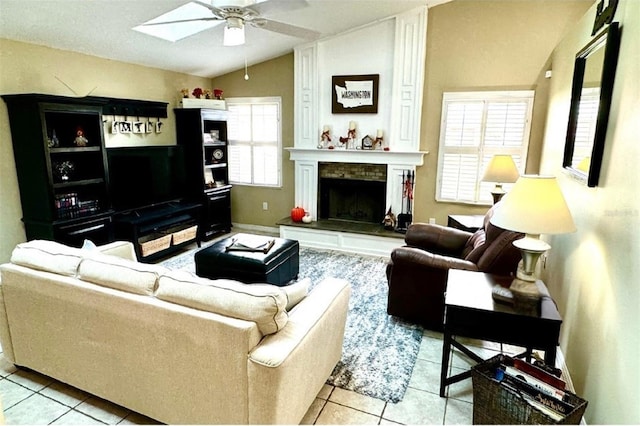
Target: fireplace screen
352	200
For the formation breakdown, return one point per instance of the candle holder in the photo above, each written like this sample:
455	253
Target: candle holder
325	138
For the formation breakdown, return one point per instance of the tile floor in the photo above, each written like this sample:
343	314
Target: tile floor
31	398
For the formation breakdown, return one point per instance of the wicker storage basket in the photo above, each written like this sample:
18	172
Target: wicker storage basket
154	243
494	403
180	234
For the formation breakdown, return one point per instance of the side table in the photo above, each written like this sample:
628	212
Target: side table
470	311
469	223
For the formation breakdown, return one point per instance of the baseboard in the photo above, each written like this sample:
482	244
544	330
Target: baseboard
256	228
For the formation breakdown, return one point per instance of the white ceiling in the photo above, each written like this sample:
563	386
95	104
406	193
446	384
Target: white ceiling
103	28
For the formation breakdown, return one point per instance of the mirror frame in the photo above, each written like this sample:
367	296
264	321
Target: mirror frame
612	36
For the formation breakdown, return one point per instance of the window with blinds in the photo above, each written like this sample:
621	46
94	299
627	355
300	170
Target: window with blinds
476	126
586	124
255	135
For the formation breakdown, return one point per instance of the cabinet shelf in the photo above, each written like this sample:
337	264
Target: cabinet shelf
82	182
75	149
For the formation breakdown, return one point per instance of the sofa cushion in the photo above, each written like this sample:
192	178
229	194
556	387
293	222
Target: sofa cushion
296	292
118	273
47	256
264	304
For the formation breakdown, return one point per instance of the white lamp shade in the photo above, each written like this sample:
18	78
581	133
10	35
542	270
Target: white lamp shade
233	32
535	205
501	169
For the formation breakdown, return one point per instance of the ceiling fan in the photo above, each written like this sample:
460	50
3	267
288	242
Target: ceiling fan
235	14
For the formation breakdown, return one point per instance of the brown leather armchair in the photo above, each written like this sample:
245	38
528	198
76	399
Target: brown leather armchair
417	272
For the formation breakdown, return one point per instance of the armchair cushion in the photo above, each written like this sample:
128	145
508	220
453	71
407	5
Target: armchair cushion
437	238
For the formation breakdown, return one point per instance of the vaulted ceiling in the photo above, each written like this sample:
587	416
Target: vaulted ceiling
103	28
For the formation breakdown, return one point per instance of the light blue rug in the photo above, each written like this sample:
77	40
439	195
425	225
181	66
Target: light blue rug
379	350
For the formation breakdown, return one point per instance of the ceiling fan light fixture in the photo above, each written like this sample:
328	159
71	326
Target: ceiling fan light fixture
234	32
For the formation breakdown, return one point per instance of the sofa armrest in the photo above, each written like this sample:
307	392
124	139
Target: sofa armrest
287	369
416	258
123	249
437	238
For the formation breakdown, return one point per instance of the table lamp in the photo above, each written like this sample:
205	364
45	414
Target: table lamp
534	206
501	169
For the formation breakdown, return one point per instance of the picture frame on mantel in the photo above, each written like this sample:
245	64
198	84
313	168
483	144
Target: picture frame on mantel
353	94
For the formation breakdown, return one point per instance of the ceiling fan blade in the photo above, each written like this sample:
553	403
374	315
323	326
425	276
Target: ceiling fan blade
288	29
214	9
179	21
273	6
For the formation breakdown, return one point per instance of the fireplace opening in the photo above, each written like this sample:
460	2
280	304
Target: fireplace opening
352	200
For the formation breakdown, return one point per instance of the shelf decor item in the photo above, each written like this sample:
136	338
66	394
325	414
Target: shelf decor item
63	170
80	139
354	93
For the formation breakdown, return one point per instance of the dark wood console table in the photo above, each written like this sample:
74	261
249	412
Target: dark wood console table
470	311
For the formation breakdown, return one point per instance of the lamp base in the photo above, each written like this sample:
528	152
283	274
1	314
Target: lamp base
497	193
526	297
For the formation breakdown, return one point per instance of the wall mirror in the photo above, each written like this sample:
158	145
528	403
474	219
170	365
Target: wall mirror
593	76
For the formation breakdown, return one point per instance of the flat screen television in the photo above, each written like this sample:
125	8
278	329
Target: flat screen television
146	176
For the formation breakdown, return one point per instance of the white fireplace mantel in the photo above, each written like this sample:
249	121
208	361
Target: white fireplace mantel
408	159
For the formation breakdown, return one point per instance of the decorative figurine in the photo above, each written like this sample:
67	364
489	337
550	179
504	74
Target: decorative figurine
389	220
80	140
325	137
379	139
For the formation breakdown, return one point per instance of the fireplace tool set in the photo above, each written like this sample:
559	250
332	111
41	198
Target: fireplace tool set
405	218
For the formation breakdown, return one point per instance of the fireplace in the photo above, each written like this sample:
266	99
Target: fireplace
352	191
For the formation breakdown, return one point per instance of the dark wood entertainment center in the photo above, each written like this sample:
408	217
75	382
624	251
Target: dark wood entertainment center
64	179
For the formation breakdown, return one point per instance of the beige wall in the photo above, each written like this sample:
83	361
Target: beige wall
272	78
486	45
27	68
594	273
490	51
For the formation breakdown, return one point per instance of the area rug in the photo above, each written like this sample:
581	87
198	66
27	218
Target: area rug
379	351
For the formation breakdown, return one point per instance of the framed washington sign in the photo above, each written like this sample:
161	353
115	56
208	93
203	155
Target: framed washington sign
354	93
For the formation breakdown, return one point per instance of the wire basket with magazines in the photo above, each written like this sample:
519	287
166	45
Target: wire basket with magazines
504	394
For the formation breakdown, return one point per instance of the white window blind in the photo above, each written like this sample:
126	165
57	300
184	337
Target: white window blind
475	127
254	132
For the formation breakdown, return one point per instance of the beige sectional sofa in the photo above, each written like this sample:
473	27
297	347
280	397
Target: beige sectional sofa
168	344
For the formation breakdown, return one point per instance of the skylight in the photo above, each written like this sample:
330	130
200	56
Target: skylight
177	31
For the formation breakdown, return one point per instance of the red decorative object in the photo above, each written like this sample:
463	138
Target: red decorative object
297	213
197	92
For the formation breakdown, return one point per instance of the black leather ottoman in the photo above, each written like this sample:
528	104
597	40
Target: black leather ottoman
279	266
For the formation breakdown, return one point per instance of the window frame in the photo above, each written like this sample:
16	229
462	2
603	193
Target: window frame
258	100
481	151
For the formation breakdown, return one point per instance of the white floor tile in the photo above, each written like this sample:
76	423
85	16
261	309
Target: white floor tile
36	409
76	418
64	394
417	407
335	414
103	410
30	379
359	402
12	393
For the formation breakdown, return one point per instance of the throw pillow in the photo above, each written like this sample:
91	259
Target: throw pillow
296	292
89	245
